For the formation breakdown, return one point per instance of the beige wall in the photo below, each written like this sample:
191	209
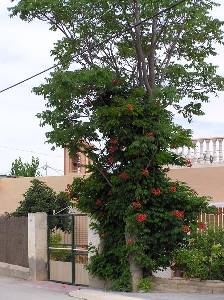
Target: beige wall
205	181
12	189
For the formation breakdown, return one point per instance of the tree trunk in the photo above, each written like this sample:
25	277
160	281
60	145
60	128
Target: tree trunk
135	270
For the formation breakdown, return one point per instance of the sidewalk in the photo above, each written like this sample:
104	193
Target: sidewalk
17	289
90	294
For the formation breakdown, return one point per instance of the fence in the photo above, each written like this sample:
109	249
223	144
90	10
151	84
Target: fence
14	241
213	219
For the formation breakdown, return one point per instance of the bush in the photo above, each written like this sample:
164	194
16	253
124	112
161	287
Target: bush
145	285
203	256
41	198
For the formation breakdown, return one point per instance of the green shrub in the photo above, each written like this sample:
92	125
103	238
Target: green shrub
203	256
145	284
192	262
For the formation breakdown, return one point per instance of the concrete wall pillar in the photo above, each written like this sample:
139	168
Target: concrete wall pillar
94	240
37	246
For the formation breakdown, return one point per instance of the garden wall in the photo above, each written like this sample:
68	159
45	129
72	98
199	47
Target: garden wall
14	241
12	189
204	180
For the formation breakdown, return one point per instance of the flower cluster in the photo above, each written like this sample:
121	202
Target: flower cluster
156	191
113	141
130	107
124	176
130	242
141	217
178	213
173	189
202	226
110	160
112	149
186	228
150	134
189	163
145	172
136	204
115	82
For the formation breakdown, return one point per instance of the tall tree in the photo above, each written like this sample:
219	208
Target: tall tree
19	168
122	67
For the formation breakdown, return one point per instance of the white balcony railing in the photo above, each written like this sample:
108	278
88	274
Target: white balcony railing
207	151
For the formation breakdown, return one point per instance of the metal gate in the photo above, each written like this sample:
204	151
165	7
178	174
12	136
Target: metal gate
68	248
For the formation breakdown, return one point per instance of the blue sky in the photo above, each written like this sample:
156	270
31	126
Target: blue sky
25	50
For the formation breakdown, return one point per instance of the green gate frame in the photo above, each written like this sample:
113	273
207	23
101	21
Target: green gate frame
72	246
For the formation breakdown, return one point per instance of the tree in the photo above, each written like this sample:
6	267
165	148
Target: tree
25	169
123	67
41	198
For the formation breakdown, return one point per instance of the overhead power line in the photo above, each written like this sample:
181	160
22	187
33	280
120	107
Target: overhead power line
28	151
27	79
102	43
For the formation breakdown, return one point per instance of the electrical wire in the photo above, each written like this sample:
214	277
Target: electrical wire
100	44
28	151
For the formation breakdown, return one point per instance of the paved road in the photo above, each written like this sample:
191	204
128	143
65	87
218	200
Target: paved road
15	289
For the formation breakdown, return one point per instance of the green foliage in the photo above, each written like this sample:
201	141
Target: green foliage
193	262
115	107
25	169
203	256
59	255
145	285
41	198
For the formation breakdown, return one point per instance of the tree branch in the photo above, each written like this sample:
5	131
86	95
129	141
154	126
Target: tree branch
139	50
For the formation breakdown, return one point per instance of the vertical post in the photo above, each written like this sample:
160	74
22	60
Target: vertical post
94	240
214	150
37	246
194	160
220	150
48	250
73	249
201	142
207	152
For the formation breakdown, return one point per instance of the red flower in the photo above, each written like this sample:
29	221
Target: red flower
178	213
115	82
130	242
68	188
201	226
145	172
113	141
150	134
156	191
130	107
189	163
112	149
110	160
136	204
173	189
98	202
124	176
141	217
186	228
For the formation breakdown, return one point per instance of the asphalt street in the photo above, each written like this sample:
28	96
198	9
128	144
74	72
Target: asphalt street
16	289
